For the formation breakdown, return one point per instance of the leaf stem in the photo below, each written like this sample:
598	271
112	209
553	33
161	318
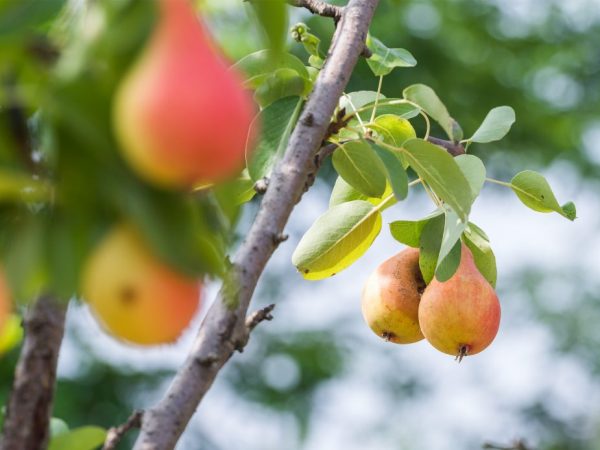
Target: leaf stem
501	183
376	99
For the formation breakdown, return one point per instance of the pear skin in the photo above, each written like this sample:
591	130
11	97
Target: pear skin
135	296
460	316
181	115
391	296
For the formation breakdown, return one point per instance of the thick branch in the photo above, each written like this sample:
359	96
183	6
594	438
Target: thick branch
224	326
26	426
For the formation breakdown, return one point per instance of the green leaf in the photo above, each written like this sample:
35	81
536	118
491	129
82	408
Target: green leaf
23	15
355	100
337	239
428	100
394	131
82	438
478	243
275	123
569	210
440	171
408	232
357	163
429	246
300	33
394	106
535	192
447	261
272	15
396	174
447	266
383	59
57	427
259	66
280	84
495	126
342	192
474	171
19	187
11	334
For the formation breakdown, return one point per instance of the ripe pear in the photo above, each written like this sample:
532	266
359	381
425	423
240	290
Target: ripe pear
134	295
181	115
390	299
460	316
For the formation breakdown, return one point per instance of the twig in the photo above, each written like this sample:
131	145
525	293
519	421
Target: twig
225	321
519	444
324	9
320	8
259	316
29	406
454	149
115	434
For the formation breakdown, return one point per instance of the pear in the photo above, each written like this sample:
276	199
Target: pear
460	316
181	115
135	296
391	296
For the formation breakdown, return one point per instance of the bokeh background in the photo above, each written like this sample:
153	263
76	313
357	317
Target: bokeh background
316	378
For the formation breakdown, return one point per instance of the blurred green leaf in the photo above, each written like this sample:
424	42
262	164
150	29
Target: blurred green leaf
389	106
272	15
23	16
280	84
11	334
83	438
259	66
275	124
58	427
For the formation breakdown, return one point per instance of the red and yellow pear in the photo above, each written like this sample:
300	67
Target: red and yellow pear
391	296
460	316
134	295
181	115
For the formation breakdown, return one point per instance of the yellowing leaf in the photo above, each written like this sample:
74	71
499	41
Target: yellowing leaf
337	239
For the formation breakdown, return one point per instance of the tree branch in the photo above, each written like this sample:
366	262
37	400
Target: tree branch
29	407
454	149
224	326
115	434
320	8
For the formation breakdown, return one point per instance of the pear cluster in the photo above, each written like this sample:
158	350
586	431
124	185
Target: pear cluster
460	316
